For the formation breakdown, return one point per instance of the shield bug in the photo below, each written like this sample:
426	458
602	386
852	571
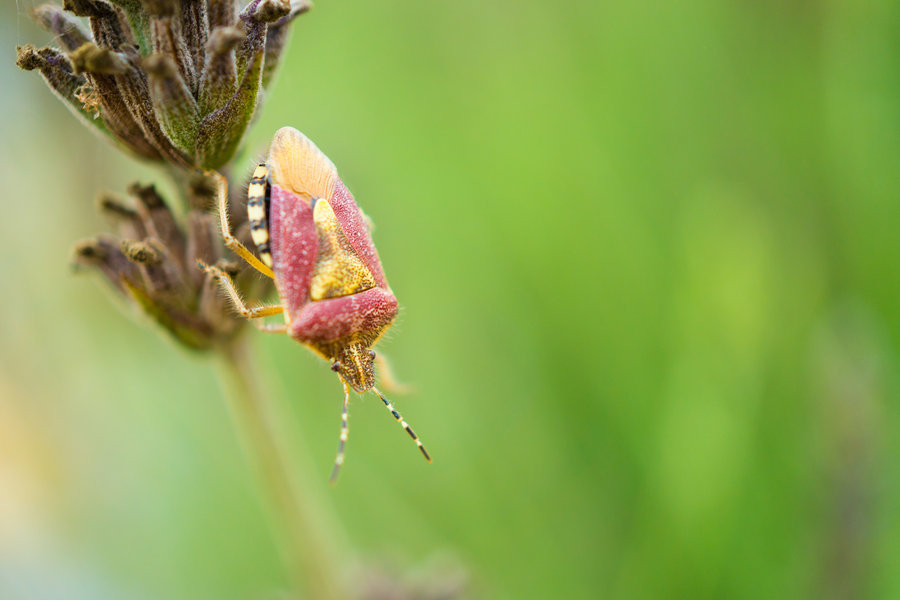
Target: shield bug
314	242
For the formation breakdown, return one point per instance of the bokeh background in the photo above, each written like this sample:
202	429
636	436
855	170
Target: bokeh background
647	254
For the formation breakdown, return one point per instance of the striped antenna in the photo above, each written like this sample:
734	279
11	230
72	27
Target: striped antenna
403	424
345	432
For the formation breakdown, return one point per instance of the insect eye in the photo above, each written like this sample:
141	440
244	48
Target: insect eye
372	354
335	366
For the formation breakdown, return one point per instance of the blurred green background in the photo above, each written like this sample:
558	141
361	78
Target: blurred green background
647	254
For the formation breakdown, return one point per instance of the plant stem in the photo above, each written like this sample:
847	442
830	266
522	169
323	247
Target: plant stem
310	534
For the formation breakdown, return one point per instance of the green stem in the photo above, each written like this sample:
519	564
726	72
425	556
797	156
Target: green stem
311	538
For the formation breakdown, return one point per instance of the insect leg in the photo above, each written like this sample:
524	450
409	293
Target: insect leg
403	424
235	296
232	242
388	380
345	432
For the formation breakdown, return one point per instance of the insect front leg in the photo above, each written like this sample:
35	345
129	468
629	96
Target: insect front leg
248	313
232	242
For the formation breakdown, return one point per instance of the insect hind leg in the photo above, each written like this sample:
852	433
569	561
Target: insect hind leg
247	312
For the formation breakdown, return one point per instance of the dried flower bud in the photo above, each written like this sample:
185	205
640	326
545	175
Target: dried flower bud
176	109
221	131
267	11
109	26
89	58
219	81
59	74
104	253
68	31
254	20
166	39
195	29
127	219
222	13
276	40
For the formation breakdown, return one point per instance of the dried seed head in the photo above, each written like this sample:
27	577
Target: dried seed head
120	76
153	264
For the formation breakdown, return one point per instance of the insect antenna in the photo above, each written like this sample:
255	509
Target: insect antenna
345	431
403	424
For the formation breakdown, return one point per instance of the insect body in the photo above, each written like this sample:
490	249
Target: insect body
314	242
